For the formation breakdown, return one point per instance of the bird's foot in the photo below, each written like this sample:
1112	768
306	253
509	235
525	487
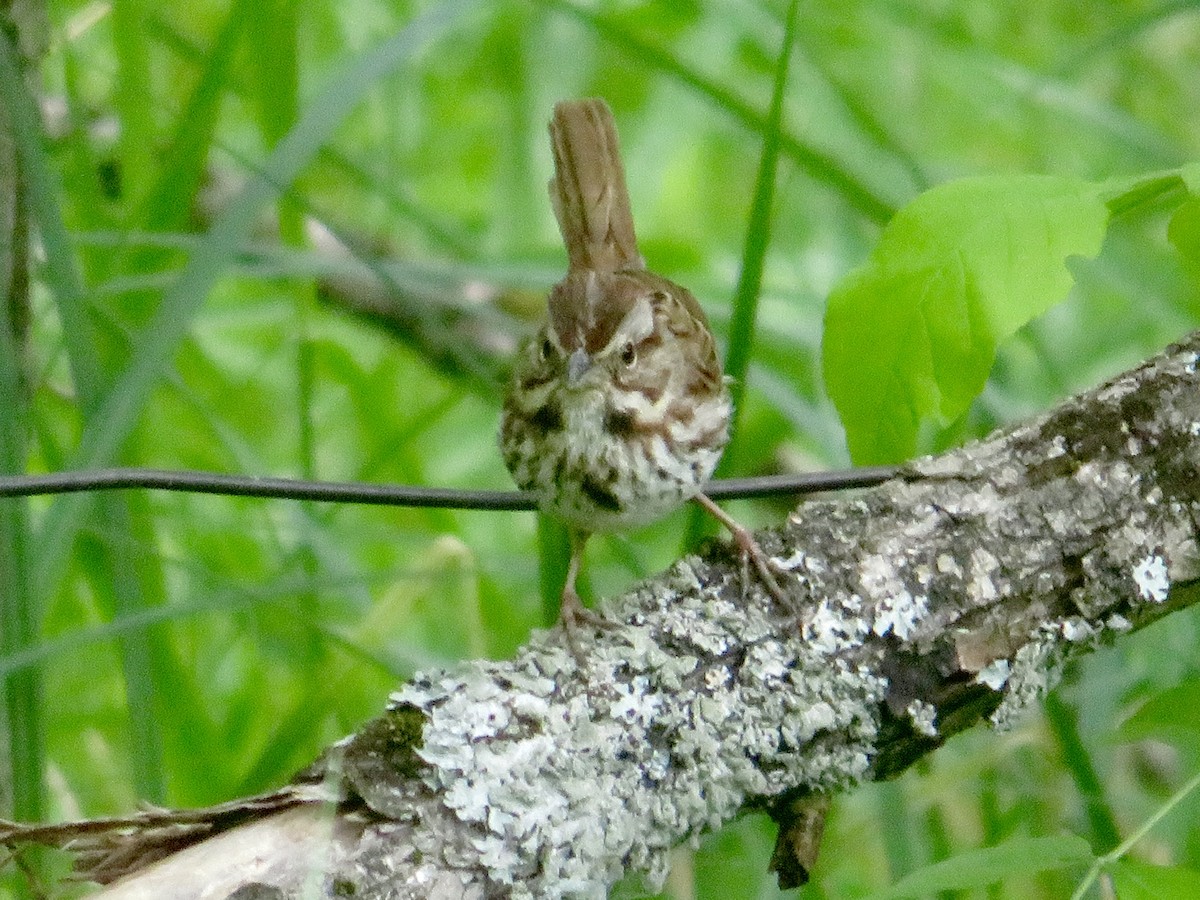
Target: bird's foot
574	616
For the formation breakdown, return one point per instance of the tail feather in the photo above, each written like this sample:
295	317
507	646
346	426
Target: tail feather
588	192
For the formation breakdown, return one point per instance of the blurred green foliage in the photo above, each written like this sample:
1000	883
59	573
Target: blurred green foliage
201	159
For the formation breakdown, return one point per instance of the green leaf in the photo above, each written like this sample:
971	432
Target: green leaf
988	865
1127	195
1191	177
912	334
1135	880
1183	231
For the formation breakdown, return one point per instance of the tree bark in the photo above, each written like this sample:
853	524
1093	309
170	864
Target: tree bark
947	597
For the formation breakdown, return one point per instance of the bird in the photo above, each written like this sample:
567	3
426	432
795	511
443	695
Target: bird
617	411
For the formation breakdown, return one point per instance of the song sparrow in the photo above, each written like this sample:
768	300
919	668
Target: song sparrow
617	412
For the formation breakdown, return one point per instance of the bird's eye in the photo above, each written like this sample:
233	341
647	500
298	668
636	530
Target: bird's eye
547	349
628	354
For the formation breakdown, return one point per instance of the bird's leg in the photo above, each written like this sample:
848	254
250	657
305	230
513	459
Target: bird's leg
751	553
571	612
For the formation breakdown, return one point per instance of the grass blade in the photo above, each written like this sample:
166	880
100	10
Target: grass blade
169	201
114	419
1064	726
758	229
133	85
754	254
24	624
18	609
276	92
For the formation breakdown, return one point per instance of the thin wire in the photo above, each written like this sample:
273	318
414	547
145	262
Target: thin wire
394	494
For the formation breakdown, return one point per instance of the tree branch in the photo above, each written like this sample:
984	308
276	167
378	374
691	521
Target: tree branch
948	596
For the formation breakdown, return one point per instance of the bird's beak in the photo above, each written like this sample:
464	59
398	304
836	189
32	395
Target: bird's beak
577	364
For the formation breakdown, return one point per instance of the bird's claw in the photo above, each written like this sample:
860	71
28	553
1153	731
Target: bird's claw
573	615
751	554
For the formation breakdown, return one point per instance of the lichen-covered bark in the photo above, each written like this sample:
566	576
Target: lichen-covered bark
950	595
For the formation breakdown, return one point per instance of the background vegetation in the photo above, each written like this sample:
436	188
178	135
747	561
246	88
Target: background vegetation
224	181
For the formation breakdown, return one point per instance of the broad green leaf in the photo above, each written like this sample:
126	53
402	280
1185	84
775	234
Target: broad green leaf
1191	177
988	865
912	334
1126	195
1135	880
1183	231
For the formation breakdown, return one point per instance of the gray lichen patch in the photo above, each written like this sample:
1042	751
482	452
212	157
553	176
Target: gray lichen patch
1036	668
560	785
924	717
1150	576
